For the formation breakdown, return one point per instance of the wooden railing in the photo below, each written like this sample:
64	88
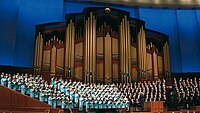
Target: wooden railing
15	102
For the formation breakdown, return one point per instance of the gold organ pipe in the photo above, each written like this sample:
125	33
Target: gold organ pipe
88	47
38	49
86	57
129	50
124	41
123	48
67	48
94	46
41	47
72	45
141	50
91	47
35	61
140	55
145	64
120	47
69	55
126	44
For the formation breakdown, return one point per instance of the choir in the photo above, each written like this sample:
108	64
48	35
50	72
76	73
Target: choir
72	94
186	92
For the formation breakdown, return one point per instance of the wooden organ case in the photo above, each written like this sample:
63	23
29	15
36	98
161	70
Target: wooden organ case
100	45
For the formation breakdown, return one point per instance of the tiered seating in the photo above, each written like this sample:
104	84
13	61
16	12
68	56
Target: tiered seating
187	92
66	94
152	91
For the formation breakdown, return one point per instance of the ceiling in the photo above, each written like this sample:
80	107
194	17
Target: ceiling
148	3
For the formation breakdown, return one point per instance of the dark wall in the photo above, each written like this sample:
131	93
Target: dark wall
19	17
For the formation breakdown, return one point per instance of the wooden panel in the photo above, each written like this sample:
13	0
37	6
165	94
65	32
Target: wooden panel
149	65
79	49
115	72
60	57
115	46
78	73
100	72
160	65
14	101
46	56
134	74
100	45
53	60
108	59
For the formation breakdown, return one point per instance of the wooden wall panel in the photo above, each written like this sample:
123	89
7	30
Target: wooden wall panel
100	72
149	65
115	72
115	46
99	45
108	59
134	63
160	65
134	74
14	101
79	49
60	57
46	56
78	73
53	60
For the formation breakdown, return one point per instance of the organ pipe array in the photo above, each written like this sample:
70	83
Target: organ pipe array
142	53
90	48
125	59
69	49
38	53
116	52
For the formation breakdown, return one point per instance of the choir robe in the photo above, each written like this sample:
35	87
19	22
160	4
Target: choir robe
28	90
54	102
10	84
45	97
41	96
36	94
15	85
19	86
100	104
59	102
71	104
32	93
87	106
67	91
81	103
62	88
50	101
109	104
23	89
96	105
76	99
63	103
4	82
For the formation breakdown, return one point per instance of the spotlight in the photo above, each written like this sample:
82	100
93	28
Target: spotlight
107	10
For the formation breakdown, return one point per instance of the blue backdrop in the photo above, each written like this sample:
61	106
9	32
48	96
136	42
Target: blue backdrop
19	17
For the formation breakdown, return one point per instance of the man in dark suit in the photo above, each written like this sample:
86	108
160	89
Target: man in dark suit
142	101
